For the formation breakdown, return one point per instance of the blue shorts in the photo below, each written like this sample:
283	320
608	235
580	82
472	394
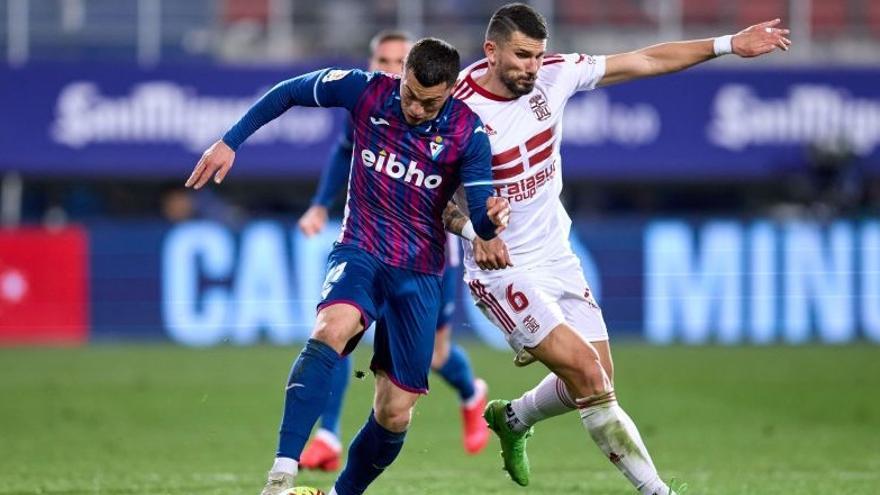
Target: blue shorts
403	303
449	290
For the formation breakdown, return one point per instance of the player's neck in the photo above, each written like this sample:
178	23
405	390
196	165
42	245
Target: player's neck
493	84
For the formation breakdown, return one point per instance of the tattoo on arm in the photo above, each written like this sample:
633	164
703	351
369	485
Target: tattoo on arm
453	219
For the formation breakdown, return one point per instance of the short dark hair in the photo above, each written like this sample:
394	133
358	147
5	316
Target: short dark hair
388	35
515	17
433	61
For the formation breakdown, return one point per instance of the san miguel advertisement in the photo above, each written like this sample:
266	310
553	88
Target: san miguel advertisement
201	283
703	124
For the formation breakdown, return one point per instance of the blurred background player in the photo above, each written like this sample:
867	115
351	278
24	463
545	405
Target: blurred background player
543	303
388	51
417	147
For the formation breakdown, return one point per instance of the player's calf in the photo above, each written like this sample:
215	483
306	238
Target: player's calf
617	436
393	406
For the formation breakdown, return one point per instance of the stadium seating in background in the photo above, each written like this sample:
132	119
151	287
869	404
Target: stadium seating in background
701	11
829	17
754	11
579	11
873	16
629	13
246	10
624	13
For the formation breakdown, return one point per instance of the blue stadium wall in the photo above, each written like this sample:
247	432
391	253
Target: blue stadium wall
725	281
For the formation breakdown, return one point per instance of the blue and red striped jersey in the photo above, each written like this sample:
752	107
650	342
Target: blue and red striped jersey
401	176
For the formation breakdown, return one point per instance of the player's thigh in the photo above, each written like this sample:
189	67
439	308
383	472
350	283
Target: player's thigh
404	336
519	306
585	317
392	405
582	311
576	361
348	298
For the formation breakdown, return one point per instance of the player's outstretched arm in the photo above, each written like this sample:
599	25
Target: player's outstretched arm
215	162
665	58
327	88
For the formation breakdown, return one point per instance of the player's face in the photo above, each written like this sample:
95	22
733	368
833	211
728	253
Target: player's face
420	103
389	56
517	61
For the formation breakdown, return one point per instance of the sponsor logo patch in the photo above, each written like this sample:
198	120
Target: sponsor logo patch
334	75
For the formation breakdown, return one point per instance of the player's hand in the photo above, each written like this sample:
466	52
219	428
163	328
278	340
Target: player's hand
498	210
215	162
492	254
760	39
313	220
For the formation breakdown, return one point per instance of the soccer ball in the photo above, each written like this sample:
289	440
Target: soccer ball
303	490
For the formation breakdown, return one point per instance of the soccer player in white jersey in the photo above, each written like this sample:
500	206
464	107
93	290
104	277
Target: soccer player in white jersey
542	302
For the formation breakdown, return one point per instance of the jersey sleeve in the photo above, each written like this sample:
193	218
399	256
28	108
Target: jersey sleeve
321	88
581	72
476	177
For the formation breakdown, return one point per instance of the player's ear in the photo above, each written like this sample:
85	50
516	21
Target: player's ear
490	48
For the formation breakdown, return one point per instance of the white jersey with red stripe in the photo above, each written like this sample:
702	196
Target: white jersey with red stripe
525	134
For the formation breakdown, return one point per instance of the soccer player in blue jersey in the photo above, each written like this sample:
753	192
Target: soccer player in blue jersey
413	147
388	51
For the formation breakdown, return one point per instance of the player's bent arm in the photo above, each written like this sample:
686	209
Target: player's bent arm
454	220
477	197
666	58
476	178
488	255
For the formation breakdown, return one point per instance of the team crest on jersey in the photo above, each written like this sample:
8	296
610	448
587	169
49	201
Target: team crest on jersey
334	75
436	147
531	324
489	130
539	107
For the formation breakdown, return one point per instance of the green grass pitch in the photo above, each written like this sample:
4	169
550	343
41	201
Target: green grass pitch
166	420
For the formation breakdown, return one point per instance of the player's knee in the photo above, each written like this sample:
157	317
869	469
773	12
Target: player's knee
335	330
331	335
590	378
393	417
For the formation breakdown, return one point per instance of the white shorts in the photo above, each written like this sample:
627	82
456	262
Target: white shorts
527	304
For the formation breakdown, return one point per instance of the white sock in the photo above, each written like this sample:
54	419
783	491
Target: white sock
618	438
285	465
548	399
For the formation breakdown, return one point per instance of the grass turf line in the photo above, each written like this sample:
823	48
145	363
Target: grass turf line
167	420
